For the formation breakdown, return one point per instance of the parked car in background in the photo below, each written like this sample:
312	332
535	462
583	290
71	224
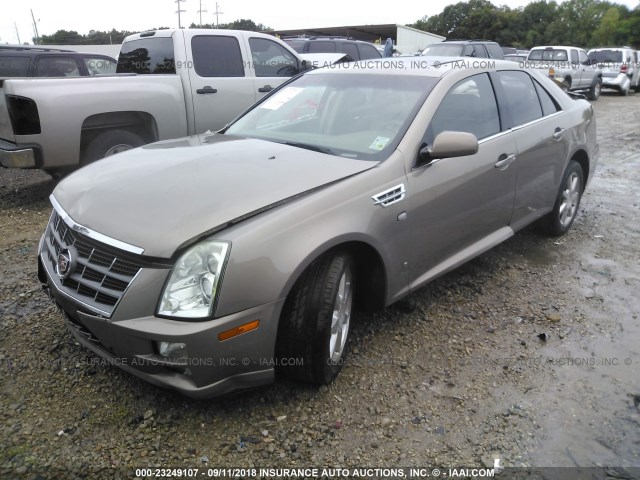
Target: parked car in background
178	82
44	62
356	49
620	69
570	66
464	48
516	57
205	264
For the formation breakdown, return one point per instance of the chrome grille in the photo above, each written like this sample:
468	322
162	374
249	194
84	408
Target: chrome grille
99	278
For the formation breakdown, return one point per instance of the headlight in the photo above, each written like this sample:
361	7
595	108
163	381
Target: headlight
193	284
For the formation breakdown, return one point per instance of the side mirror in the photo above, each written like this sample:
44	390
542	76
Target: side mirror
450	144
593	62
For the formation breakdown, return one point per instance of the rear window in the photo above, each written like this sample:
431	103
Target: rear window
14	66
606	56
147	56
549	54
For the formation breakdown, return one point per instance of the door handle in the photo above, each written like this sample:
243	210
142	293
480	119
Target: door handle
558	133
266	88
206	89
505	160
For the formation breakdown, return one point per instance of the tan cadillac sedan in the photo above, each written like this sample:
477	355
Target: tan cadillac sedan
210	263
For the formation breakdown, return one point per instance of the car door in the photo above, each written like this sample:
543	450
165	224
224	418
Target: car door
464	204
542	142
588	71
271	64
221	83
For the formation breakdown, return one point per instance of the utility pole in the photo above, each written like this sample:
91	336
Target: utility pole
218	12
201	11
16	27
35	27
179	12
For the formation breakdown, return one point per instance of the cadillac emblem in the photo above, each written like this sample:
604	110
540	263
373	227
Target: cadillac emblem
63	267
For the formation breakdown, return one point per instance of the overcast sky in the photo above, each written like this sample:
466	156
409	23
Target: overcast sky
138	15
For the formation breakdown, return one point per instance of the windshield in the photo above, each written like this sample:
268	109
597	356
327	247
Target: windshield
360	116
443	50
606	56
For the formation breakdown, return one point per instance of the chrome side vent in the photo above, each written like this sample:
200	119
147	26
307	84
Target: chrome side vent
390	196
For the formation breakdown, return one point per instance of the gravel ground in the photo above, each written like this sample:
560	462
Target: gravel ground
530	354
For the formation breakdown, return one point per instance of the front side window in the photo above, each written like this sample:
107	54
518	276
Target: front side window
521	97
147	56
368	52
271	59
470	106
582	57
352	50
217	56
99	65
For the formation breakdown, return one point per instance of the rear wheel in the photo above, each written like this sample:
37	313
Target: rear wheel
316	319
559	220
109	143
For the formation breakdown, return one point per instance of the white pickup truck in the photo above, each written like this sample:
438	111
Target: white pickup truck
569	66
169	83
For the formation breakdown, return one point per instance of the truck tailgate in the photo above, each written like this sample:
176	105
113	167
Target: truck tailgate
6	130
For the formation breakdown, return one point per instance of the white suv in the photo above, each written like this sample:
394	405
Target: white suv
620	69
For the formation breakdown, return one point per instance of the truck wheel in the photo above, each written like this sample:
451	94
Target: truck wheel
559	220
594	91
314	326
109	143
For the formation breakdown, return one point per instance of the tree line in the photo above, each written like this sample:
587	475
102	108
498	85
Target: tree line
583	23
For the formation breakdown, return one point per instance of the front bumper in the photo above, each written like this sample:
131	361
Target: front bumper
211	367
14	156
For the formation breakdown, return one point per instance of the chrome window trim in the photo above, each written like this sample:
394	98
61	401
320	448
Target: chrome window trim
91	233
532	122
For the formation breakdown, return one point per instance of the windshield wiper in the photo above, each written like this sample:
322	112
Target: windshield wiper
307	146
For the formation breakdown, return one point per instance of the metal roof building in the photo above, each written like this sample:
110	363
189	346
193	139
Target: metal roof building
405	39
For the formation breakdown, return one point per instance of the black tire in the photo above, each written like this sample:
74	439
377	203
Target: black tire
109	143
595	90
559	220
304	342
624	91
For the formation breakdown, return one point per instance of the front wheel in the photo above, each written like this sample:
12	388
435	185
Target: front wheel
595	90
559	220
316	319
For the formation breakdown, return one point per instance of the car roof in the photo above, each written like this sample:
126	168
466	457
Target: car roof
434	67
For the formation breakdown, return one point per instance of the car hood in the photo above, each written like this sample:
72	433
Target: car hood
162	195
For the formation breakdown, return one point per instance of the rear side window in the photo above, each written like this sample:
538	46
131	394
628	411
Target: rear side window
321	46
271	59
54	66
470	106
368	52
217	56
521	97
14	66
549	105
147	56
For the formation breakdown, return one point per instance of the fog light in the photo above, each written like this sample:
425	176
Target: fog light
172	350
